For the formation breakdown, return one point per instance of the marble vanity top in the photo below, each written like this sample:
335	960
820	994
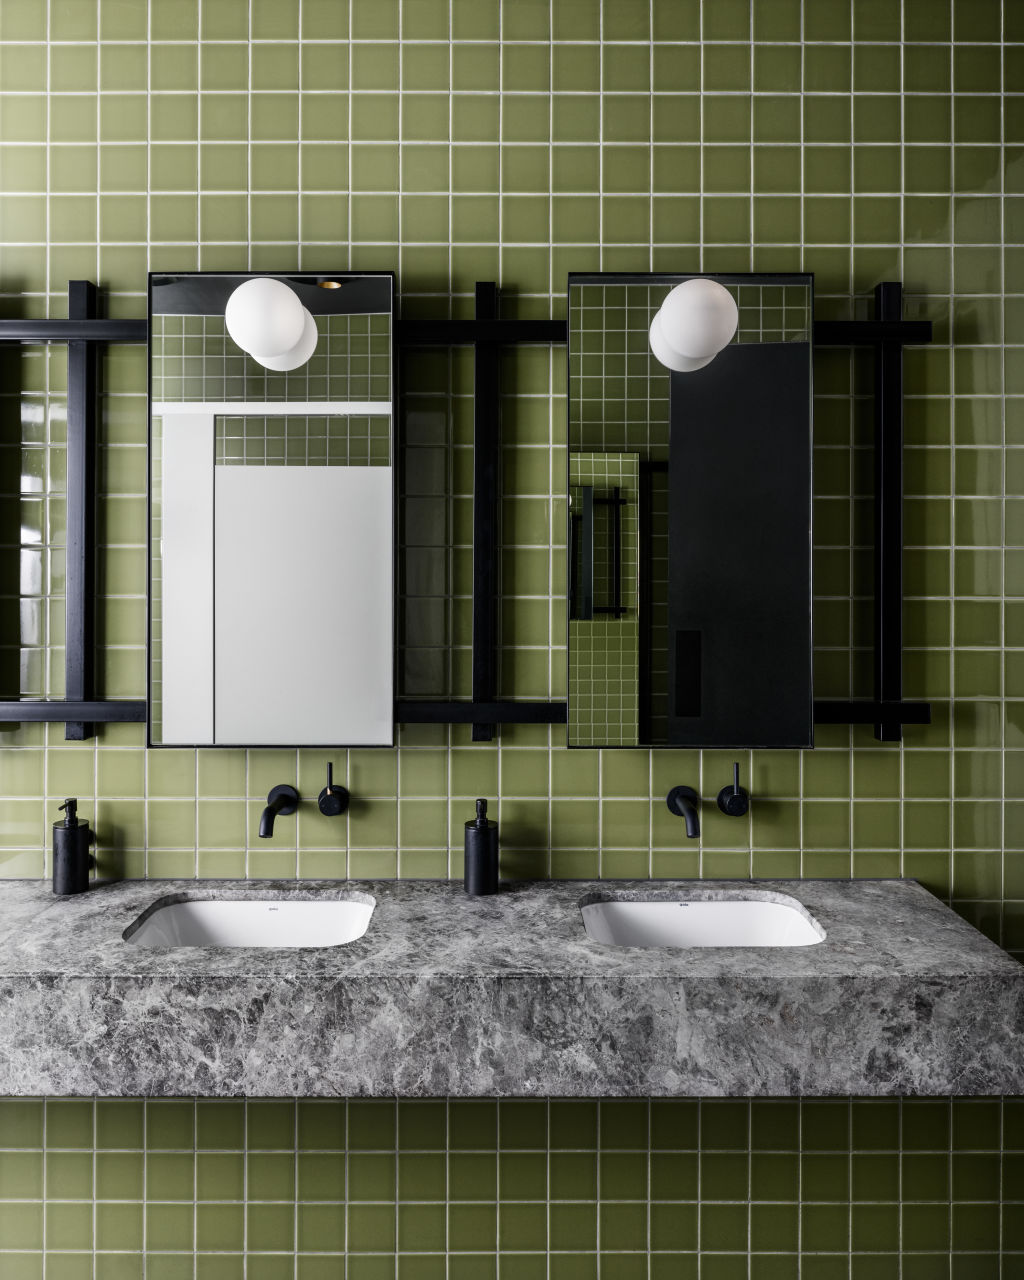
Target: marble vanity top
447	995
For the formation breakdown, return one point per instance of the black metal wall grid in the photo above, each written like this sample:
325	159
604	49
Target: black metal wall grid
83	330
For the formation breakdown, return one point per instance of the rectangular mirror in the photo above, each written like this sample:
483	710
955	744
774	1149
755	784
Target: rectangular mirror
271	568
690	512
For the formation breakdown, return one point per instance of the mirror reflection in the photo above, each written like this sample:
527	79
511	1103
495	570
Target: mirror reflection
271	503
690	510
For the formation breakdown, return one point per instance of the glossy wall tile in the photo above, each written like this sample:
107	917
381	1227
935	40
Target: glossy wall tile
460	140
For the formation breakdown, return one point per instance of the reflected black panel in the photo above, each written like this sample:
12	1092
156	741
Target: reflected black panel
739	547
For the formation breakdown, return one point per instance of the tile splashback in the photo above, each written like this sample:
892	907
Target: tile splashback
457	140
471	140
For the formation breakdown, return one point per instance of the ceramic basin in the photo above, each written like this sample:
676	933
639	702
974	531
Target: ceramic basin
744	921
253	922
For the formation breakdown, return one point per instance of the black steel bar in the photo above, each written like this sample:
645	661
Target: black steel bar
645	610
888	624
616	502
56	710
853	333
616	514
422	711
486	497
426	333
73	329
80	588
586	601
870	711
498	711
574	565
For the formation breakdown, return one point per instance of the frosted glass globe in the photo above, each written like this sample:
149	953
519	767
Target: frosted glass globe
669	358
699	318
298	354
264	317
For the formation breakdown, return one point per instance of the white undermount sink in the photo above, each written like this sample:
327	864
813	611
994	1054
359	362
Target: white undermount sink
252	922
747	920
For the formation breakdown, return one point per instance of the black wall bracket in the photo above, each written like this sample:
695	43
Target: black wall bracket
79	709
888	333
83	329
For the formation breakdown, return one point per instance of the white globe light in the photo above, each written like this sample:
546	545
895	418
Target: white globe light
699	318
264	317
298	354
669	358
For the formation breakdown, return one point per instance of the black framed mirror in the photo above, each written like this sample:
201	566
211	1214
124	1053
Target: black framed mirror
272	471
690	511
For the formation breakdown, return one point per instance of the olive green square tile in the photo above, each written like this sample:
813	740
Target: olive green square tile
371	1176
321	1124
726	68
376	68
220	1227
728	120
25	22
21	1174
69	1225
572	1226
220	1175
21	1225
270	1227
69	1123
69	1175
120	1123
372	1228
270	1124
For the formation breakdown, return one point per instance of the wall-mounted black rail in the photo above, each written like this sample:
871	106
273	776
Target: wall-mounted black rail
465	711
486	332
79	709
888	332
581	558
74	328
583	548
614	502
486	510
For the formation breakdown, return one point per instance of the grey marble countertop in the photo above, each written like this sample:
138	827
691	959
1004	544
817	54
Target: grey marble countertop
505	995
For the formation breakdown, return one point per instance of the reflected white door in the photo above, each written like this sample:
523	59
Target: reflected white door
303	598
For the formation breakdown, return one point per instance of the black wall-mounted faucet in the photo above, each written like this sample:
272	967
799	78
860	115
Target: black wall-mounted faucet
282	799
733	800
332	801
683	802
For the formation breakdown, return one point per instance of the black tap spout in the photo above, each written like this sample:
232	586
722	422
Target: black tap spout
282	799
683	801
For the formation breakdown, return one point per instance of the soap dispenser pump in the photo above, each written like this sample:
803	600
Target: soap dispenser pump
481	874
71	857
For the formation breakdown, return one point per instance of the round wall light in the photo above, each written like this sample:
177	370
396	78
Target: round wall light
695	322
297	355
268	321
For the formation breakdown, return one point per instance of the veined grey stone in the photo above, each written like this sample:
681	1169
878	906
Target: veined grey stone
507	995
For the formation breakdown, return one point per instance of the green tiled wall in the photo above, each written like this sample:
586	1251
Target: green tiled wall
460	140
511	1190
195	359
338	441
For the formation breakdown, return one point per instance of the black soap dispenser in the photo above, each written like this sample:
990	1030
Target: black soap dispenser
481	874
71	857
